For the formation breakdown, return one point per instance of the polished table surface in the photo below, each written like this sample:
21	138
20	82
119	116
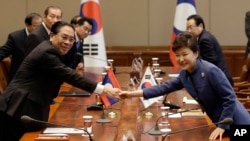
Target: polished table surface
130	115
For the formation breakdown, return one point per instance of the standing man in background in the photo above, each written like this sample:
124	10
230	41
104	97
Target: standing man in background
209	47
247	31
52	14
14	45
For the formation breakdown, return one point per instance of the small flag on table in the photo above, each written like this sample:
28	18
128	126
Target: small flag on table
110	80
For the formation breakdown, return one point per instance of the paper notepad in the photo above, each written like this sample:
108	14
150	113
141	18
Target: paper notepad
189	101
63	130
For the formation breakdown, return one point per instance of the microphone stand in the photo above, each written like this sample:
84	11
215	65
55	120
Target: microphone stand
26	118
103	119
156	130
92	107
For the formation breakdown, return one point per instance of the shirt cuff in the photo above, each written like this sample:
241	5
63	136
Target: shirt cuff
99	89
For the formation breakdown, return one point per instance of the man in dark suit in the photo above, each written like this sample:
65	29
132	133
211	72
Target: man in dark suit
83	28
33	84
247	31
52	14
209	47
15	43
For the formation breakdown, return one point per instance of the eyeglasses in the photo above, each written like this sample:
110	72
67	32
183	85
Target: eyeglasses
67	38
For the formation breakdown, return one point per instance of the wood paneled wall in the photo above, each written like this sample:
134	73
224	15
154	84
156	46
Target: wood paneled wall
123	56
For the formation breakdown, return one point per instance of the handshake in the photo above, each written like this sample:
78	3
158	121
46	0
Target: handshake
119	94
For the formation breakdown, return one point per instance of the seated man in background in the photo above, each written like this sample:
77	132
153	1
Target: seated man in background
14	45
83	28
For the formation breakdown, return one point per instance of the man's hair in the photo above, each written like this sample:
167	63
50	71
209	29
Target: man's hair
58	25
30	17
198	20
75	19
85	19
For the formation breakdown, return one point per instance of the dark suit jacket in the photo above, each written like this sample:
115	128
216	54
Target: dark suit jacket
247	31
35	38
14	47
210	50
35	83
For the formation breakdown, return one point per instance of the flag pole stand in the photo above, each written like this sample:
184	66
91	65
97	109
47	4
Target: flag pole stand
148	113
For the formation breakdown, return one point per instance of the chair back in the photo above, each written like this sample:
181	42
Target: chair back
4	73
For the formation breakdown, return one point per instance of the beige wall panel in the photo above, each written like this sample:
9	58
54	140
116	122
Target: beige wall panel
137	22
125	22
227	21
12	17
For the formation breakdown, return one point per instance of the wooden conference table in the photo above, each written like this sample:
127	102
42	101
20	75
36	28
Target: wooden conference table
130	115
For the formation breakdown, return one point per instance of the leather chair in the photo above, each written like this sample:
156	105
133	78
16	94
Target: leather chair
4	71
243	81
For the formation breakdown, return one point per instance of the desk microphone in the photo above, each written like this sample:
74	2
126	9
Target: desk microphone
226	121
103	119
27	119
156	130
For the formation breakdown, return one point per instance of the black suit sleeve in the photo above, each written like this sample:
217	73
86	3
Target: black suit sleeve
7	48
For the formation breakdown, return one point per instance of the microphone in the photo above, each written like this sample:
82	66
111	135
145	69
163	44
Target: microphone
27	119
156	130
103	119
226	121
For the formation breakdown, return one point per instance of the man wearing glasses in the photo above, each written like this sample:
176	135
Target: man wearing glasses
210	49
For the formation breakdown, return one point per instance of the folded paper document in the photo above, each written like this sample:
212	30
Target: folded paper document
59	130
189	101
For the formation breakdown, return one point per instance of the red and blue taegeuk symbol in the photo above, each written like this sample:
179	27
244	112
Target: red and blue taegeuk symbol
91	9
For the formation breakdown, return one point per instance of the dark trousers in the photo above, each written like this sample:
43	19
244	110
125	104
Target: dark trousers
10	128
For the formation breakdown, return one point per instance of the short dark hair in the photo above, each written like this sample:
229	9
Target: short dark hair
198	19
30	17
84	19
185	39
58	25
75	19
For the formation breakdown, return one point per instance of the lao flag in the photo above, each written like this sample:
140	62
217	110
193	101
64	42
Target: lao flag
148	81
94	49
184	9
110	80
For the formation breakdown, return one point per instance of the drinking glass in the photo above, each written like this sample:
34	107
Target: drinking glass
87	124
164	114
155	60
